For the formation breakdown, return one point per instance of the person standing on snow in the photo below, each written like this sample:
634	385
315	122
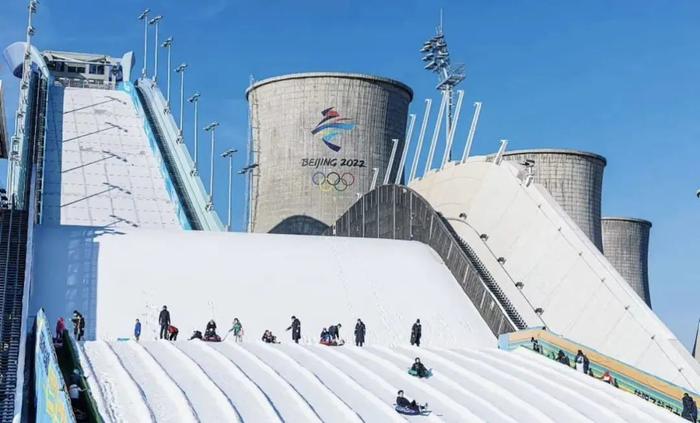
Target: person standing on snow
164	322
334	331
296	329
78	325
137	330
237	330
416	333
360	331
582	362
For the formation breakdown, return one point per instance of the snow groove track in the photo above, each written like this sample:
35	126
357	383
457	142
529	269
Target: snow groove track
443	383
283	396
497	395
626	405
449	409
324	402
252	403
209	402
192	381
366	405
165	398
121	399
555	409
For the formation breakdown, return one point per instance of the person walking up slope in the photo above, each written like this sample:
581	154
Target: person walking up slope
78	325
164	322
416	333
296	329
360	331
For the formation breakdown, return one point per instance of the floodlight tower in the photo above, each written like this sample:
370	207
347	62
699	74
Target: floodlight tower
437	59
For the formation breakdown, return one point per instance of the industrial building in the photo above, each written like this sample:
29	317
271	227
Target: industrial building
574	179
626	246
319	140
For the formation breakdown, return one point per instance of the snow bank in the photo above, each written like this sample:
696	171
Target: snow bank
115	277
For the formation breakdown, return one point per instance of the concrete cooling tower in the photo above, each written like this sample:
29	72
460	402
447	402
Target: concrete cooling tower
317	140
574	179
626	246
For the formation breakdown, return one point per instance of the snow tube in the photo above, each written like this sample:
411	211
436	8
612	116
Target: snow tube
410	411
415	373
332	343
215	338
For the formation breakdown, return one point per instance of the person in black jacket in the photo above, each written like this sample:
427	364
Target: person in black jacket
402	401
419	368
164	322
690	408
334	331
78	325
296	329
360	331
416	333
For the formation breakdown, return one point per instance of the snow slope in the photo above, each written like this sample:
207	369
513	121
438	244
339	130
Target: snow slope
305	383
114	277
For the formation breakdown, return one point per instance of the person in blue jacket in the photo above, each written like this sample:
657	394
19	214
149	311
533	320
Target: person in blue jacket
137	329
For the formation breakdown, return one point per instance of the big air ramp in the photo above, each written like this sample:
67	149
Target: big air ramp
114	277
100	169
529	241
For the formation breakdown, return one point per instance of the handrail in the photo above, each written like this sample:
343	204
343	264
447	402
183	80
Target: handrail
413	218
193	194
628	378
70	344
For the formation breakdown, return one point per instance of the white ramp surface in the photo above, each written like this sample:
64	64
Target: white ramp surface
305	383
114	277
100	169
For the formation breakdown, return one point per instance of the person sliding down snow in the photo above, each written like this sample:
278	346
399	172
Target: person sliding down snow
269	338
334	331
196	335
418	369
404	406
296	329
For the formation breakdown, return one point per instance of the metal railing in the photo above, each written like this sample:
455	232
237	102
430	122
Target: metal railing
397	212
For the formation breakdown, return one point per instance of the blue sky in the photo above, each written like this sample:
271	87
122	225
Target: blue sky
619	78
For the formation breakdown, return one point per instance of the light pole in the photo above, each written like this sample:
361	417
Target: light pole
155	21
195	100
144	17
248	170
168	43
181	70
228	154
211	128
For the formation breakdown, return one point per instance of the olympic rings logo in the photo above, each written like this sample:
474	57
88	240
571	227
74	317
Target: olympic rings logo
333	180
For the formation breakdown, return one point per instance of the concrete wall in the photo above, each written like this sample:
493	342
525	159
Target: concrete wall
574	179
559	270
626	246
301	175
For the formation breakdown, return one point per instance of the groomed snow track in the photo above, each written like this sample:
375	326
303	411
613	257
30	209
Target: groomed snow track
256	382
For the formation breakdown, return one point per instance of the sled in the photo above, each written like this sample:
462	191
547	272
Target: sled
215	338
332	343
415	373
411	412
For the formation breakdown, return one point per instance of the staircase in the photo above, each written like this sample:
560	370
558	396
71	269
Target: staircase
486	276
13	242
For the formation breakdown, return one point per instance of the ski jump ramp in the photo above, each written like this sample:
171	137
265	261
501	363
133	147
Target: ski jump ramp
560	272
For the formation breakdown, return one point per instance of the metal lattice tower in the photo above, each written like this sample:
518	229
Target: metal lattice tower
437	56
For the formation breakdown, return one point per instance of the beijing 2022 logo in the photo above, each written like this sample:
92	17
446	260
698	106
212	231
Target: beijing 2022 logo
331	126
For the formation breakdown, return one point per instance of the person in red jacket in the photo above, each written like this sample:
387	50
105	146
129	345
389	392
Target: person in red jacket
172	333
60	328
